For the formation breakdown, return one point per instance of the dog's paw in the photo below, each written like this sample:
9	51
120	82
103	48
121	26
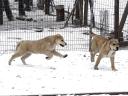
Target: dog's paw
92	59
96	68
114	69
48	58
65	56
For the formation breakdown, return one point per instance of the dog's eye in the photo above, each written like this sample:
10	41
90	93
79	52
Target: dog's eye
62	40
114	44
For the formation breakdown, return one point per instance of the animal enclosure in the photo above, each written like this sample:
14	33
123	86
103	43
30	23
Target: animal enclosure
74	20
40	21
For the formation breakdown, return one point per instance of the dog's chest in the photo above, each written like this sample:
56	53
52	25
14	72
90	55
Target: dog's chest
110	53
51	46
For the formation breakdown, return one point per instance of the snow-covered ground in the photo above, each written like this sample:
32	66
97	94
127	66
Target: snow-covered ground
74	74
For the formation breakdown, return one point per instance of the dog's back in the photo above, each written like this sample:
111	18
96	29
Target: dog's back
97	41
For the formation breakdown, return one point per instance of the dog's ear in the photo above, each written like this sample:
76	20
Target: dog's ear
111	35
109	38
57	35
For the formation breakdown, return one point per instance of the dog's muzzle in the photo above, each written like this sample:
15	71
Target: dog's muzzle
63	44
117	48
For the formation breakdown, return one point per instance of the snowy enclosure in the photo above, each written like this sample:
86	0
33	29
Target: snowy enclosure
71	75
108	5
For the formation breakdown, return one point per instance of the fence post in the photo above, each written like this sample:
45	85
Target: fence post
91	2
104	24
91	24
81	11
1	12
85	12
116	19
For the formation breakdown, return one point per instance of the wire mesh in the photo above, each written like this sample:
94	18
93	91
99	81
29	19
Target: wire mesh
10	31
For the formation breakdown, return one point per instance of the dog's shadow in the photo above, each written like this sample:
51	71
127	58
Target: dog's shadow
37	66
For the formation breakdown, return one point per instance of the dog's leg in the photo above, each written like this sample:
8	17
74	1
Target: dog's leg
97	62
93	50
59	55
49	55
14	56
92	56
24	57
112	64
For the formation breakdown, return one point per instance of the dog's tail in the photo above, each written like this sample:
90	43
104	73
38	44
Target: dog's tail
18	44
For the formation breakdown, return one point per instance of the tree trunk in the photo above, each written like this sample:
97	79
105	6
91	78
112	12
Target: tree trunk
77	11
1	12
81	11
7	9
21	8
47	6
85	12
91	9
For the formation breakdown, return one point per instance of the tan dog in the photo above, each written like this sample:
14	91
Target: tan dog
45	46
106	48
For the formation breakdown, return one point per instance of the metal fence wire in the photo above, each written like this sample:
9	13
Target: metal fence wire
37	21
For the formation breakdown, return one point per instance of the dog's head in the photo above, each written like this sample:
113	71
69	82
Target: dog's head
114	44
60	40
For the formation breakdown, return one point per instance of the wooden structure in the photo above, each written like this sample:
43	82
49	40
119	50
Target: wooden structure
60	13
118	26
77	12
80	12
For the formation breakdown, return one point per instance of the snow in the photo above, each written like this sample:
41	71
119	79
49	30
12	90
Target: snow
70	75
74	74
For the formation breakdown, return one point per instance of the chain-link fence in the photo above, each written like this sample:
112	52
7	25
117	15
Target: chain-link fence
37	20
